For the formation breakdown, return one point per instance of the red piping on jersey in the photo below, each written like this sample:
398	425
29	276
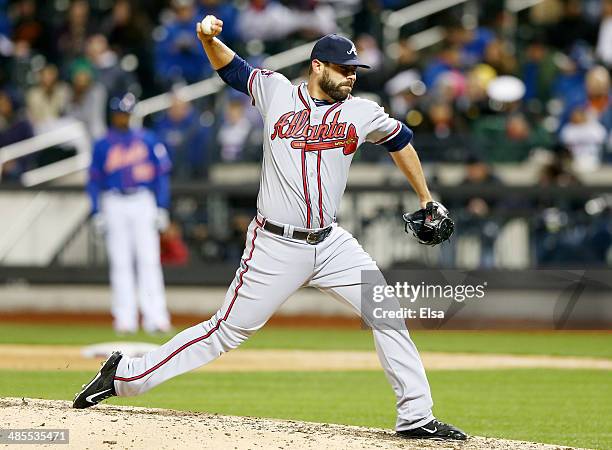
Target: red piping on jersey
315	146
302	99
330	110
320	190
212	330
321	221
306	196
251	79
304	180
397	127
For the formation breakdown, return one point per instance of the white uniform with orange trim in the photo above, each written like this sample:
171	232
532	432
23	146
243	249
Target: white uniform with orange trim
308	148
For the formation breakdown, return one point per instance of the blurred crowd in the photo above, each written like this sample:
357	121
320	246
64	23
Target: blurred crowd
65	59
499	87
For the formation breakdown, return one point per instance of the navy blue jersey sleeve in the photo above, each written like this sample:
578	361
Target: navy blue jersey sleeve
163	167
236	74
96	176
93	190
162	190
400	140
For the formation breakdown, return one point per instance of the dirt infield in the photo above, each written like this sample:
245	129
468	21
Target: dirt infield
40	357
114	427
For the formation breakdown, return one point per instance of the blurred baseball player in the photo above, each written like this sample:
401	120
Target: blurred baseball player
311	132
129	191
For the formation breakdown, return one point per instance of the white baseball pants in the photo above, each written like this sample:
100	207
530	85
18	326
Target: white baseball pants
272	268
132	242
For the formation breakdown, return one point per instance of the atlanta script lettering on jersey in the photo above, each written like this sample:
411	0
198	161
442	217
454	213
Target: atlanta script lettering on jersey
295	125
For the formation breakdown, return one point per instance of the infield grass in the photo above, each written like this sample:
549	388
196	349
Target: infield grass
570	407
593	344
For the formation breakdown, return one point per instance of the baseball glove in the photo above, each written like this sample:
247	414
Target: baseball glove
430	225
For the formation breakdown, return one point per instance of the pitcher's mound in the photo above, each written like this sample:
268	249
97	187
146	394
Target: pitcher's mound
114	427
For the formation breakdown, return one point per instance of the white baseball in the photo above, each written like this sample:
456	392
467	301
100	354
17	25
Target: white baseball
207	24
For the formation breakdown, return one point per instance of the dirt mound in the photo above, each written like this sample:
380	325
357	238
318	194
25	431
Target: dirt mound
114	427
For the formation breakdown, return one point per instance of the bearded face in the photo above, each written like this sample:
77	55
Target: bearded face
338	91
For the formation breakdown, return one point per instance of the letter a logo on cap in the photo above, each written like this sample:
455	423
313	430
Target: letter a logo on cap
353	50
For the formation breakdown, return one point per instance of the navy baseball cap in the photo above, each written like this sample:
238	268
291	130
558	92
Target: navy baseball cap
336	49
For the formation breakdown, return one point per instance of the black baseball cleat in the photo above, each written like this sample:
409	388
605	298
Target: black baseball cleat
434	430
101	387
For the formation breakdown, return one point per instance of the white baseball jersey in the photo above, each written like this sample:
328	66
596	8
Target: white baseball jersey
308	149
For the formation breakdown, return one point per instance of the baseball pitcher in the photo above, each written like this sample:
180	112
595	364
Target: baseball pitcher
311	132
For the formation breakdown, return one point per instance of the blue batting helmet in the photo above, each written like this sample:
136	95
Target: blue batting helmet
125	103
